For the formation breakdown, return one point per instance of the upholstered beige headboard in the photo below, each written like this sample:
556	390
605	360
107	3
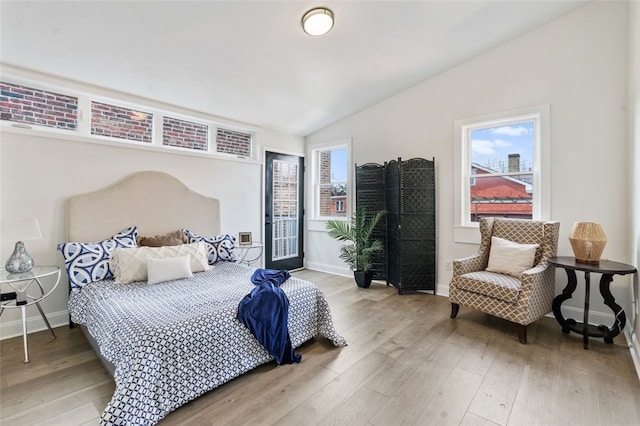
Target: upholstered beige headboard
154	201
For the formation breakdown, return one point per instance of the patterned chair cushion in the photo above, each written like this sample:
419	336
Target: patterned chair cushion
498	286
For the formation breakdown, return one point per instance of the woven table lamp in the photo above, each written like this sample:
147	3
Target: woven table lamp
587	241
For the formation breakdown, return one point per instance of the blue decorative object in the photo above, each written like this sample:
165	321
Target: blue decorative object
219	247
274	276
89	262
265	312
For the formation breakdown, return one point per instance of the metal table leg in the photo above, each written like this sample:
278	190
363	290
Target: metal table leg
24	333
46	321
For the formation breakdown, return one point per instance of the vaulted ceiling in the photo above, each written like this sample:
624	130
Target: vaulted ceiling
251	61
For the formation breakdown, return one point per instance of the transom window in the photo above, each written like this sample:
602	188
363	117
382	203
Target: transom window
184	134
22	104
122	123
233	142
30	107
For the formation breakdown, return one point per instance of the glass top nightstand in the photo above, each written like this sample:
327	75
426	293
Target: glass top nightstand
249	253
25	289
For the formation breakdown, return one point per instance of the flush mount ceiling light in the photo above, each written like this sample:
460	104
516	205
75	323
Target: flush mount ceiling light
317	21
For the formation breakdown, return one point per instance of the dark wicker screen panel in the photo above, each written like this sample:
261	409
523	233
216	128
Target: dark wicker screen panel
406	190
369	180
391	195
417	226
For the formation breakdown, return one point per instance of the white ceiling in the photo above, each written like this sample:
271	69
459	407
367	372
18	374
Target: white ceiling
251	61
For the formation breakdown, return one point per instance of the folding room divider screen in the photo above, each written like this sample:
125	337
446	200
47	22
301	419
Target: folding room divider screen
406	191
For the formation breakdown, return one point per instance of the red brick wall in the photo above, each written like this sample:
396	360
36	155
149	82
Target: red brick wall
233	142
325	204
285	189
334	200
510	198
184	134
23	104
122	123
28	105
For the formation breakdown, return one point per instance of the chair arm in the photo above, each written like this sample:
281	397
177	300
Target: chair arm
465	265
536	294
537	269
540	278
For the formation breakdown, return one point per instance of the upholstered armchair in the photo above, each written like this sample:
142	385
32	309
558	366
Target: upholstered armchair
520	298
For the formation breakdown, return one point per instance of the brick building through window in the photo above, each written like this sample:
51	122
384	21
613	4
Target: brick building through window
233	142
22	104
184	134
332	195
43	108
500	196
121	123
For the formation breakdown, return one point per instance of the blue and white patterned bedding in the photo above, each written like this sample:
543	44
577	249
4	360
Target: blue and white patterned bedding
171	342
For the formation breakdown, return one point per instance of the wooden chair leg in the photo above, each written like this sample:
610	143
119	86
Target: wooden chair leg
522	333
454	309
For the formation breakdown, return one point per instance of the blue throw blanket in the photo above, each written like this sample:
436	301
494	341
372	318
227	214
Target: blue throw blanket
265	312
274	276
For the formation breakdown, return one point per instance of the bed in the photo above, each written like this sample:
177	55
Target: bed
169	342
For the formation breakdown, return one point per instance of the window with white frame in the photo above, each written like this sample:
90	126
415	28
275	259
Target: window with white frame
184	134
234	142
37	107
31	106
502	168
331	180
119	122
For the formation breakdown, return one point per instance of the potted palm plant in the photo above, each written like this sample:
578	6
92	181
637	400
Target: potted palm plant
358	253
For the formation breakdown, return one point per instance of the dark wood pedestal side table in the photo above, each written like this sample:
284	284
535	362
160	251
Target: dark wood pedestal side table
608	269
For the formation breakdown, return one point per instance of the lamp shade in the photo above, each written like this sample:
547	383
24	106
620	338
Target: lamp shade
21	230
587	241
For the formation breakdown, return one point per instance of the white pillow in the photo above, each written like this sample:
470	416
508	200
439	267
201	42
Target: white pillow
511	258
130	264
172	268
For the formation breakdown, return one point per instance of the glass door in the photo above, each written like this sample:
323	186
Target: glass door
284	211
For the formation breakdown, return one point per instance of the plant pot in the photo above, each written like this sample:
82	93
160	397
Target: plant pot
363	279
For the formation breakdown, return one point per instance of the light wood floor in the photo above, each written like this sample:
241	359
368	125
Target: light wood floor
406	363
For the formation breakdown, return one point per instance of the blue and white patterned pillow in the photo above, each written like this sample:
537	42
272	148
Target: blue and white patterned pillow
219	247
89	262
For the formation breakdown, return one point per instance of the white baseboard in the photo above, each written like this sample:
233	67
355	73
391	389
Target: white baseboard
634	349
34	323
595	317
329	269
346	272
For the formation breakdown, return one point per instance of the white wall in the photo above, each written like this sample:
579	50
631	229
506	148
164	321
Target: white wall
634	173
578	65
38	173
